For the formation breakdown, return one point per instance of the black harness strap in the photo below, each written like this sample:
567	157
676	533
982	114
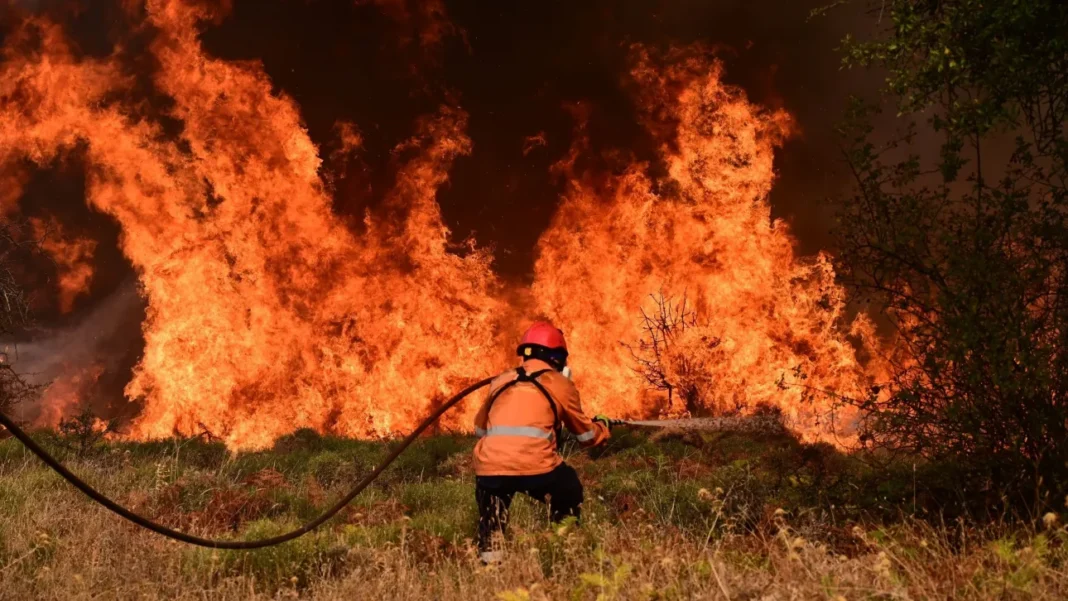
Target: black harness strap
523	376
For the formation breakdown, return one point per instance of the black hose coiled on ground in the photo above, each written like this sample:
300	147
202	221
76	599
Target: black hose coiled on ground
231	544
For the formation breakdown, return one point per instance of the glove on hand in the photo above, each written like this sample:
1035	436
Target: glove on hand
604	420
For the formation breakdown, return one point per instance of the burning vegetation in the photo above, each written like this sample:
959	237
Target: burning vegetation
303	293
267	312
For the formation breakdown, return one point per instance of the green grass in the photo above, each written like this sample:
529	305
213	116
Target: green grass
666	517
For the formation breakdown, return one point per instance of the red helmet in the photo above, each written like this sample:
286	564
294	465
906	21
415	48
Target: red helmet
544	334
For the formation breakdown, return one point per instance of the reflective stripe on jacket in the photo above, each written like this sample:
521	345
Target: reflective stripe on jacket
516	435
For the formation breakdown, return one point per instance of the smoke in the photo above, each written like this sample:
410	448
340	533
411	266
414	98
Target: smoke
87	362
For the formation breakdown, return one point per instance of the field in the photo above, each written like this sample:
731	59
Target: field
700	515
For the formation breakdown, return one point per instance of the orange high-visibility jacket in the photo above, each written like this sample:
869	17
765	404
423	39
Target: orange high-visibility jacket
517	434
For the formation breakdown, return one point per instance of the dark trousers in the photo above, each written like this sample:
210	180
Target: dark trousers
559	488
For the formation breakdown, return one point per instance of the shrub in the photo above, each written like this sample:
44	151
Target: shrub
964	249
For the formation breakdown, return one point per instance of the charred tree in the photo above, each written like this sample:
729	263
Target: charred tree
660	355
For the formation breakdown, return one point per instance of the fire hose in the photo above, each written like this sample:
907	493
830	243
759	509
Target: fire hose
234	544
43	455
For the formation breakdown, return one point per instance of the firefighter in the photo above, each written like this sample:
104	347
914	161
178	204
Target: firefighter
519	428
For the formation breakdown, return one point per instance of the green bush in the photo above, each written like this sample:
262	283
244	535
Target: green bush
964	249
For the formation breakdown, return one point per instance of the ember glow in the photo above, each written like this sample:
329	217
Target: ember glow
267	312
62	399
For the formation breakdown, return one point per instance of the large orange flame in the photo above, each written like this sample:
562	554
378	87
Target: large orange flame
265	313
702	234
